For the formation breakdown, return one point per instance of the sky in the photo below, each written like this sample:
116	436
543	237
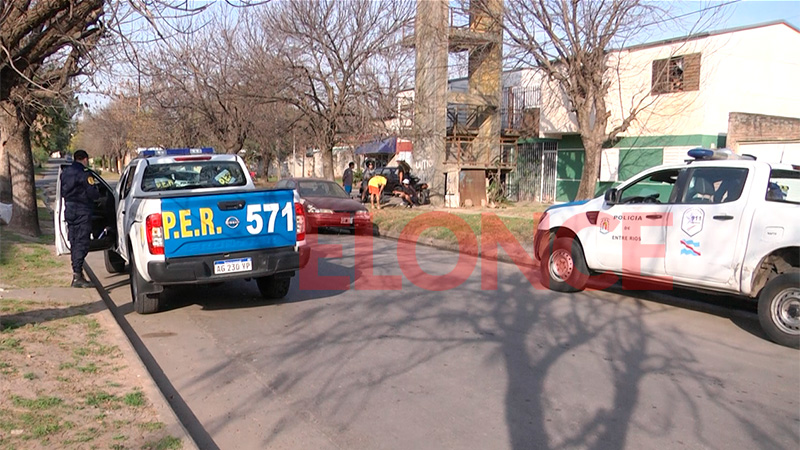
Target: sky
758	11
735	13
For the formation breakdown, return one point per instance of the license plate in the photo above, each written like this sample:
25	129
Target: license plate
233	265
347	220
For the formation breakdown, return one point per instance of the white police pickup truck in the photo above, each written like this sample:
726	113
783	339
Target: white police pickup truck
189	216
719	222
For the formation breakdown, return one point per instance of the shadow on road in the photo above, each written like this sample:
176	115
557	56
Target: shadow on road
647	379
551	402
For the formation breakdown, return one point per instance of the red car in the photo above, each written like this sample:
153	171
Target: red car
327	205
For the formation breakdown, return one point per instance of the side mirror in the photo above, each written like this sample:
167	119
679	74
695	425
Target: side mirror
612	196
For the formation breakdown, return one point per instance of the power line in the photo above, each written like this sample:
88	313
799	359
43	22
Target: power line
708	8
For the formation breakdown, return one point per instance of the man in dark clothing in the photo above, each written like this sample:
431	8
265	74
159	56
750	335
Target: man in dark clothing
347	178
79	191
407	193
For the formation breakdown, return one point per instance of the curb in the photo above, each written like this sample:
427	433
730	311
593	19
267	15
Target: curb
151	389
174	425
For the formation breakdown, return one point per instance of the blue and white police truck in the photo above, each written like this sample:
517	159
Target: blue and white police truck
719	222
190	216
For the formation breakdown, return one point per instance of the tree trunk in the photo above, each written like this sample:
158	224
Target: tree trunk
262	167
327	164
591	168
5	168
24	213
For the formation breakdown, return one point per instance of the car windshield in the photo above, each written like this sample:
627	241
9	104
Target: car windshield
192	175
320	189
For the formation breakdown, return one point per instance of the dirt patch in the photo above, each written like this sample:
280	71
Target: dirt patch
64	385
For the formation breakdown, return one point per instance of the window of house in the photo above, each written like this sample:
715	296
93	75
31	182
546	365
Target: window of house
676	74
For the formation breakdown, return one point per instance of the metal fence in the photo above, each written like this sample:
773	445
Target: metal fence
534	178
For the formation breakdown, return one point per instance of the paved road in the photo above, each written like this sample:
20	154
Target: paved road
517	367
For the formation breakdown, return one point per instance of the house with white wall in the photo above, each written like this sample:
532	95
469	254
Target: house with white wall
687	90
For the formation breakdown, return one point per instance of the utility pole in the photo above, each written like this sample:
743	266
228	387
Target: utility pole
430	94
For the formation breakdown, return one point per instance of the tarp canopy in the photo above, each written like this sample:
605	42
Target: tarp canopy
384	147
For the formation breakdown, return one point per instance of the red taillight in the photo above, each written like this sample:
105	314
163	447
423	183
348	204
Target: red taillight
592	216
155	234
301	221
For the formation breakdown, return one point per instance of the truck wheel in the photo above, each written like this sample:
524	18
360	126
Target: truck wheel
114	262
563	266
779	309
273	287
142	303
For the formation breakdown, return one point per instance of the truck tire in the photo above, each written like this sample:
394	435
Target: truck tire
273	287
563	265
142	303
114	262
779	309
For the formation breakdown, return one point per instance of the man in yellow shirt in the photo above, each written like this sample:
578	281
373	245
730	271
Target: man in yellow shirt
376	185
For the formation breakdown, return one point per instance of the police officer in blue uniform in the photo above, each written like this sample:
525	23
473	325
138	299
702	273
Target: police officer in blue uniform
79	191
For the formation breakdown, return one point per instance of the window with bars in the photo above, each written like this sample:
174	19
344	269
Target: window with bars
676	74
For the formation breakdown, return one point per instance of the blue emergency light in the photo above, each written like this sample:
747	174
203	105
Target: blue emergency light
176	152
707	154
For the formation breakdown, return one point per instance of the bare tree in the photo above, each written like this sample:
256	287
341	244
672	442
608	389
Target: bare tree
570	43
198	77
109	132
333	55
41	47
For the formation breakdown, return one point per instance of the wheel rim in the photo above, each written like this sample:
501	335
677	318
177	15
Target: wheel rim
561	265
785	311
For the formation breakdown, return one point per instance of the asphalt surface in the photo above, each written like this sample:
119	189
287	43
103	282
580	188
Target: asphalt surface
418	365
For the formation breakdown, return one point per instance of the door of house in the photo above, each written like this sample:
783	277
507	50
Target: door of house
535	173
548	177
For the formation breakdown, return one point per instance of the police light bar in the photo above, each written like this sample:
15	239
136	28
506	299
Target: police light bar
176	151
707	154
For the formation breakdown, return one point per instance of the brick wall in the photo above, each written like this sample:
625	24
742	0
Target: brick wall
744	127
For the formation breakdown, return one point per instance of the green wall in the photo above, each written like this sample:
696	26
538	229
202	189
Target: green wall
700	140
633	161
636	154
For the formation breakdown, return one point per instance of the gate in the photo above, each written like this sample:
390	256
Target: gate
535	174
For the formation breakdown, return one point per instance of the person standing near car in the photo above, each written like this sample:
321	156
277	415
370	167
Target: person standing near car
368	173
376	185
79	191
347	178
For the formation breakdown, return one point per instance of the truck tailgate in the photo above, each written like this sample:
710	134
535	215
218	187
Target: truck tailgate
222	223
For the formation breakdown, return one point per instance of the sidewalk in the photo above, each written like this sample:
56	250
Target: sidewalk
69	377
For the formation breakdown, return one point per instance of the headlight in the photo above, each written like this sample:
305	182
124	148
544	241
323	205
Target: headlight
314	210
362	214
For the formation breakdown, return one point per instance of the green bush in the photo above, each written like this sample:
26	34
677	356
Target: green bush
40	156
